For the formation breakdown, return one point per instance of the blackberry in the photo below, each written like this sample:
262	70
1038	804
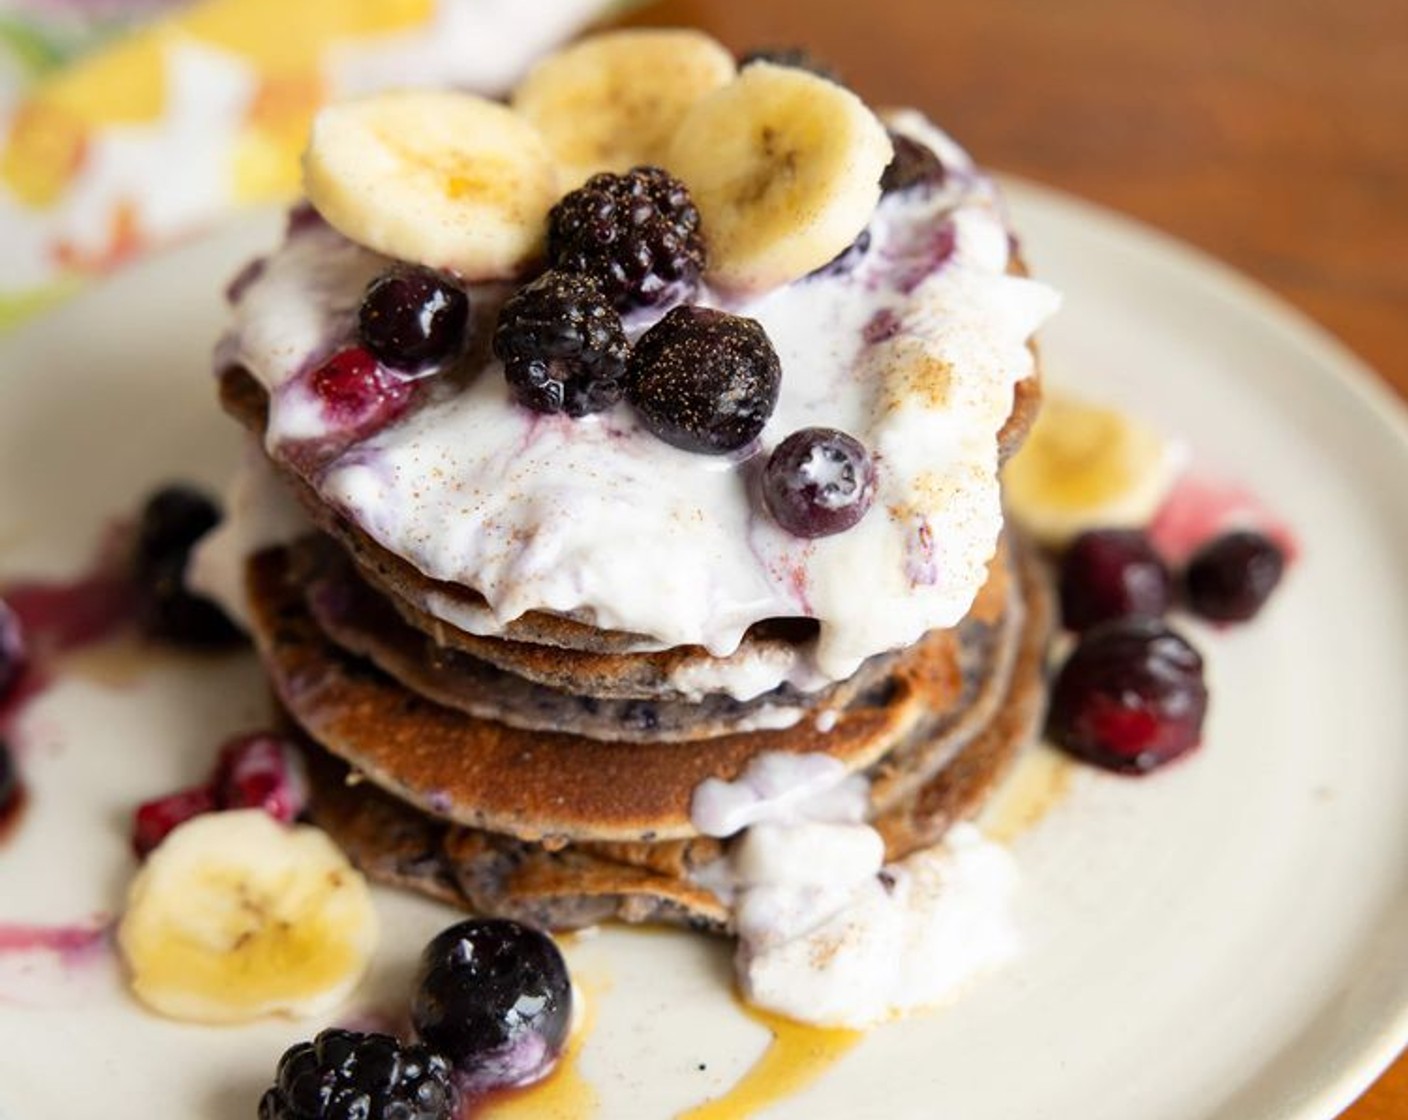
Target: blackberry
704	380
912	165
636	235
562	346
346	1075
798	58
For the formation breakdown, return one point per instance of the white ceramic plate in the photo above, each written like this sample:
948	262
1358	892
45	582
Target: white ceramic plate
1224	941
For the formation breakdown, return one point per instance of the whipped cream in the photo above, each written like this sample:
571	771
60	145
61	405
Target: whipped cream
828	932
915	352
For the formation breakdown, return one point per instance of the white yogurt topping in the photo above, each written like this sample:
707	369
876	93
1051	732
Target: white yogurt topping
828	935
259	514
600	518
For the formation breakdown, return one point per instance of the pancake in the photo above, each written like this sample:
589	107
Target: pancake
362	623
559	784
572	885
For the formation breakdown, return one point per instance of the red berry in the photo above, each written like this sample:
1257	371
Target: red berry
1130	698
156	819
260	772
358	392
1112	573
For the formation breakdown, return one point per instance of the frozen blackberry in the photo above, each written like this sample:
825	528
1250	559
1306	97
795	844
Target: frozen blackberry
798	58
912	165
346	1075
636	235
562	346
704	380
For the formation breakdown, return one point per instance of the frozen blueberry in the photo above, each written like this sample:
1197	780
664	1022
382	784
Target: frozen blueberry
413	318
704	380
1130	698
494	997
818	481
1231	578
1112	573
172	521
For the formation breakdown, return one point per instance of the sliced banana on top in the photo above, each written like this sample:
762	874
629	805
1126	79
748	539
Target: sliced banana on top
437	177
785	169
1086	466
236	916
612	101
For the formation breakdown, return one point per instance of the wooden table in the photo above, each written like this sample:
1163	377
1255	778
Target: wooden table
1272	133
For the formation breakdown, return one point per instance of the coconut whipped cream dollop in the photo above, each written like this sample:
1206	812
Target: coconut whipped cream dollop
914	351
828	932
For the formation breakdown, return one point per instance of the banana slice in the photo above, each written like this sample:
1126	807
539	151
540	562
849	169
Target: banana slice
441	178
1085	466
611	102
236	916
785	169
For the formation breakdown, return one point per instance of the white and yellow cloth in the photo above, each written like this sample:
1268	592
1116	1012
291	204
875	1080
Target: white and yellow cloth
127	123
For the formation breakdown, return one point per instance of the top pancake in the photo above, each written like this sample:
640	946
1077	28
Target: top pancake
554	650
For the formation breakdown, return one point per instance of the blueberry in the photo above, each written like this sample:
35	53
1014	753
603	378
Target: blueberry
494	997
1230	578
818	481
913	165
172	521
1130	698
9	777
413	318
12	654
1112	573
704	380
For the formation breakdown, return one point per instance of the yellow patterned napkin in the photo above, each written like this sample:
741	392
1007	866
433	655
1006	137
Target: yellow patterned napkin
127	123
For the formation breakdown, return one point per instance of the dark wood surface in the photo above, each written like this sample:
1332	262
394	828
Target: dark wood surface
1271	133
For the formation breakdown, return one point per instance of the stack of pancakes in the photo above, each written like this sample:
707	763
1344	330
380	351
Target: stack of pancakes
546	773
